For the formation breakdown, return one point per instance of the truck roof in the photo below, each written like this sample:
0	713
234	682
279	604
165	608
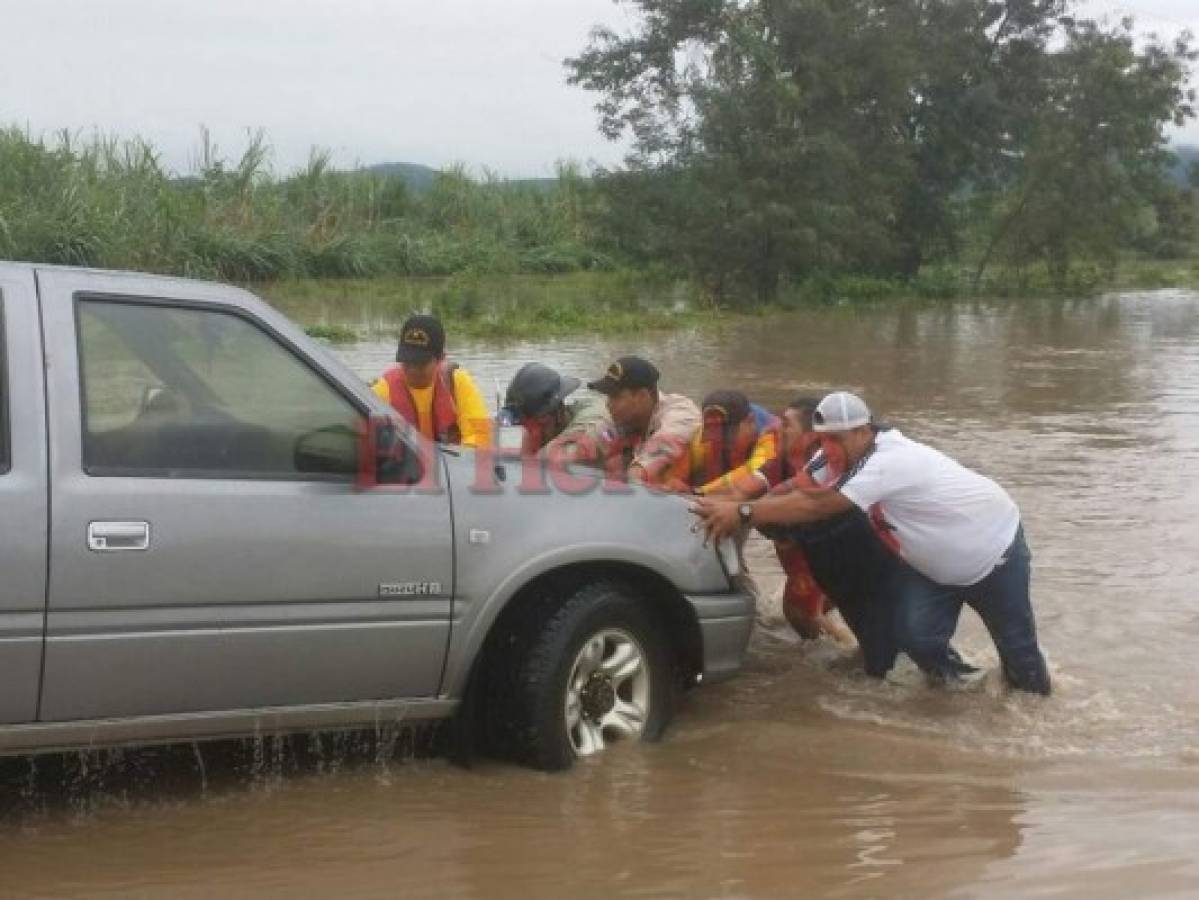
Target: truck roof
12	266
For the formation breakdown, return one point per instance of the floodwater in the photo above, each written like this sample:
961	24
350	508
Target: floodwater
801	777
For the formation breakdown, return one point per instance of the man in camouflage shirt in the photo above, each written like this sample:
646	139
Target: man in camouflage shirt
556	417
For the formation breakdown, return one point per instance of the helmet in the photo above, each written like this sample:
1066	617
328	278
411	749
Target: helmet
536	390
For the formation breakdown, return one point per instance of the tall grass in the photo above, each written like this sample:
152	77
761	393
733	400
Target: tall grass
112	203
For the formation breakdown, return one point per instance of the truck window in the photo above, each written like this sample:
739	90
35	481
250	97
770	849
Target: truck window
4	452
173	391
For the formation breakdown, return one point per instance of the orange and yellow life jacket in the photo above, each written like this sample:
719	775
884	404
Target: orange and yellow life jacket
445	409
727	458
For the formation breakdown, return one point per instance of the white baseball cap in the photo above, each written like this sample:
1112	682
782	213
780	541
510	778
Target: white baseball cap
840	411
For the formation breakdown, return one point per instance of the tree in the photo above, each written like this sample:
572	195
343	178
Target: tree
1094	159
772	138
751	168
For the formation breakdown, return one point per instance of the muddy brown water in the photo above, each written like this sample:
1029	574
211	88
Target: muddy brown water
800	777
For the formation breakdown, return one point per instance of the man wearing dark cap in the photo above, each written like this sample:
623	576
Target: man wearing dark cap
438	397
537	400
652	430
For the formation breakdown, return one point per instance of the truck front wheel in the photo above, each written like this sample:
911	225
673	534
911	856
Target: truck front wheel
596	672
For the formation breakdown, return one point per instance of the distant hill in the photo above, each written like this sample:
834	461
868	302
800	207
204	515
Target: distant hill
1187	157
420	178
537	184
417	177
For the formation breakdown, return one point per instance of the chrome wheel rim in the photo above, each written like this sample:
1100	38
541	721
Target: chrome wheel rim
608	692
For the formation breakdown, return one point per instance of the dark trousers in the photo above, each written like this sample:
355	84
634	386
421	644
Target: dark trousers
853	568
869	618
926	615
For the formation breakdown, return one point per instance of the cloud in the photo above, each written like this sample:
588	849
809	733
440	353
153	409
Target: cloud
437	82
457	80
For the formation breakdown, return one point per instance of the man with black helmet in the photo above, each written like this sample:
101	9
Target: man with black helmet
652	430
537	400
437	396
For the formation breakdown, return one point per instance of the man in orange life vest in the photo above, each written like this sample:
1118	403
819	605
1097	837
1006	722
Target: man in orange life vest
438	397
736	438
806	607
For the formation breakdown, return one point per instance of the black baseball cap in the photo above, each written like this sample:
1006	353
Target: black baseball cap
421	339
731	407
626	372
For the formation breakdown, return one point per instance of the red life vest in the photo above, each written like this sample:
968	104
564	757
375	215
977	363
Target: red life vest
445	410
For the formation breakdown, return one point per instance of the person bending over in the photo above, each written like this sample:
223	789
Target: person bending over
958	535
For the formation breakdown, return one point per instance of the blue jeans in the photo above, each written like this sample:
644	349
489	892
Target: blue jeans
926	615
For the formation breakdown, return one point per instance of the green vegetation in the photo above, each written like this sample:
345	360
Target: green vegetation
111	203
334	333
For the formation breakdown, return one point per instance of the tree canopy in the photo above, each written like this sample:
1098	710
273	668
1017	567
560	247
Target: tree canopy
775	138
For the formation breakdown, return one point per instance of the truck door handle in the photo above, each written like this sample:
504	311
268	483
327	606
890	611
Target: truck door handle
112	536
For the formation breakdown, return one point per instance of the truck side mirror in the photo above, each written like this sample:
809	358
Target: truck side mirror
384	457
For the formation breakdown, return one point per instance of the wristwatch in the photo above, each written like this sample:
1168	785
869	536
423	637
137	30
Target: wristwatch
746	512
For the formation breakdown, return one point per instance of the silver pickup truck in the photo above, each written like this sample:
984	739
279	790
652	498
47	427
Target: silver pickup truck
210	527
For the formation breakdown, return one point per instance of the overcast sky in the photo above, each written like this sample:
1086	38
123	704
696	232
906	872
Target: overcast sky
429	81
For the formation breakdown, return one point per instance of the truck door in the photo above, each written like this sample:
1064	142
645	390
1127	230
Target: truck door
23	535
198	562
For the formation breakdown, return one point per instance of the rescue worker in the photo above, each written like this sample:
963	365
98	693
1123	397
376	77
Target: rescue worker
846	561
536	399
735	439
958	534
437	396
806	606
651	430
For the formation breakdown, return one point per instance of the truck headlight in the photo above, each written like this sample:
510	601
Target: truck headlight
730	560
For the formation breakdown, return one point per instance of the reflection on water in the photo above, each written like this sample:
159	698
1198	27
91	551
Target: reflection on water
671	820
802	776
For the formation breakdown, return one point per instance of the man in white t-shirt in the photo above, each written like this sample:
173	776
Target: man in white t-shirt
958	532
